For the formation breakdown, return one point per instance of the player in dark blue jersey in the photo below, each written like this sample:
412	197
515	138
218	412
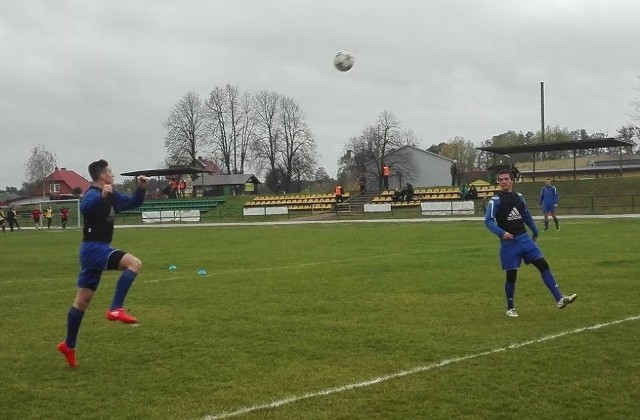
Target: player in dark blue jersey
99	206
506	216
549	203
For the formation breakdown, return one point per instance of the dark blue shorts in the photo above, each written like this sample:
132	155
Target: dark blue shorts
96	257
548	208
514	251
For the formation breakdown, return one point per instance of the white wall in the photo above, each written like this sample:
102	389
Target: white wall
419	167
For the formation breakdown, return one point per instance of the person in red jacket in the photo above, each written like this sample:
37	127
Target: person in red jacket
339	194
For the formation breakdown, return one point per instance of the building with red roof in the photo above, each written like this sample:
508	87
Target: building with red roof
63	183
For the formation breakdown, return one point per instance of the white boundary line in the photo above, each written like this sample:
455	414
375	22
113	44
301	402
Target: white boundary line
418	369
324	222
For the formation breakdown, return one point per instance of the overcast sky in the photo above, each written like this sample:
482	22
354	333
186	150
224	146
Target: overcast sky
93	79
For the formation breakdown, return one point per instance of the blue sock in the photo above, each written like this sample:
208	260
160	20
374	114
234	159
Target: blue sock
550	282
74	319
124	283
510	291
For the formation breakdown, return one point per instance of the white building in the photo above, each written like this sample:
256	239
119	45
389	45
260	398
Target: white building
410	164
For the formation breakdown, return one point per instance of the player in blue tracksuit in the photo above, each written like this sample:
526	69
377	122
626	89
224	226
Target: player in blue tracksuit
506	216
549	203
99	206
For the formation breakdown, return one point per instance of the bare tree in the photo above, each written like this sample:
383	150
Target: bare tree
246	128
375	142
186	130
218	116
41	164
635	103
297	155
268	130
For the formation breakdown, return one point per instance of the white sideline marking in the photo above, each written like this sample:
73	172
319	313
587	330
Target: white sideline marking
418	369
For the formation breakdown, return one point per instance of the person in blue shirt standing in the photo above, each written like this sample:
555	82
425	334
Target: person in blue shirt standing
549	203
506	216
99	206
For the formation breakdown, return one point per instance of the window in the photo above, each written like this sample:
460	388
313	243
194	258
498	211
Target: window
54	188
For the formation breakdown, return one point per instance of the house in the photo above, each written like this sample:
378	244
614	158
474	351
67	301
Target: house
64	183
410	164
209	166
224	185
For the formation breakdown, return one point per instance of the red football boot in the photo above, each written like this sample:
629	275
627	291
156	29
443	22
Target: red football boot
69	353
121	315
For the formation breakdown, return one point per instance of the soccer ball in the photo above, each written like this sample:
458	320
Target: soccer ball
343	60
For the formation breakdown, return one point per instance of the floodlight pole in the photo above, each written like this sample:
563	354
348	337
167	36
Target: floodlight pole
533	177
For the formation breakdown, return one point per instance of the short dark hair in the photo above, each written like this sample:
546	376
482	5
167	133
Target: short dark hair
97	168
505	171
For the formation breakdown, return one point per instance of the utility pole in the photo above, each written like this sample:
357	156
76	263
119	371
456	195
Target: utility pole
542	108
541	127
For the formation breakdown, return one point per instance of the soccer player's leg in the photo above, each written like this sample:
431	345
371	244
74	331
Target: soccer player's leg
88	282
510	260
130	266
546	217
549	280
510	291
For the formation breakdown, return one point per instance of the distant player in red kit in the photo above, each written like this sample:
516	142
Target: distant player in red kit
35	215
64	216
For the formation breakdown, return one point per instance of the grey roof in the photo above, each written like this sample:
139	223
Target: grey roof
236	179
177	170
560	145
408	146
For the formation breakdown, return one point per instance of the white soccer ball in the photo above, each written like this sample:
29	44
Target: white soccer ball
343	60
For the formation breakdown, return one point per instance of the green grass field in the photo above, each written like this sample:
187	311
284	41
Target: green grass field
341	321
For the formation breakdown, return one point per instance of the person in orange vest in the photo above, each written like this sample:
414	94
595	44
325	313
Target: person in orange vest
386	171
174	188
182	186
339	194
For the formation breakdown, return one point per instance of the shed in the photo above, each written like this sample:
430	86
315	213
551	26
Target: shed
225	185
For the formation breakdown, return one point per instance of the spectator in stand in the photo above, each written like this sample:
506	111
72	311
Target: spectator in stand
182	187
363	183
473	193
514	172
174	187
278	188
339	193
464	192
408	195
35	215
48	214
454	172
386	172
64	216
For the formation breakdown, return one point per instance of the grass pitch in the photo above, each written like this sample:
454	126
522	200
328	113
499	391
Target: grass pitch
353	321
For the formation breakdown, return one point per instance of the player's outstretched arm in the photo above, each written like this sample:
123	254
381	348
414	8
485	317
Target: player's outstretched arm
490	218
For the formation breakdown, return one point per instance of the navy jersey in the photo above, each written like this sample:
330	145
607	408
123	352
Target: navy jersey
548	196
99	213
508	212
